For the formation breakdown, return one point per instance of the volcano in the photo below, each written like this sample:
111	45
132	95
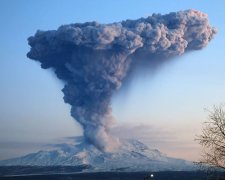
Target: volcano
132	155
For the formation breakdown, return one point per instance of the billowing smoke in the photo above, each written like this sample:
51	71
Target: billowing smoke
93	59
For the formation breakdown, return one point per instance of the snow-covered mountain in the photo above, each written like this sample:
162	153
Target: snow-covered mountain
131	156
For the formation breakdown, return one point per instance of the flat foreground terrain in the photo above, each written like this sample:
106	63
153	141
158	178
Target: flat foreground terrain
72	173
114	176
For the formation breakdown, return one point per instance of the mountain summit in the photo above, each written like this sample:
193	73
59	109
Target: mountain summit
132	155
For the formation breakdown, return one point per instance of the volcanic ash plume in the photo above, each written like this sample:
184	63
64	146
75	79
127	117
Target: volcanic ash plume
93	59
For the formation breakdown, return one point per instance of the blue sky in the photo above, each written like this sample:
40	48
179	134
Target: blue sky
169	102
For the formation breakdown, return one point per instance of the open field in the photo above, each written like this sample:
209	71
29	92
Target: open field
71	173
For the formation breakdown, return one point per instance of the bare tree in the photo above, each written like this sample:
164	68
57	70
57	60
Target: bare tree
212	138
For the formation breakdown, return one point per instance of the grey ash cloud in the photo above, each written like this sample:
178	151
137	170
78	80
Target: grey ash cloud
93	59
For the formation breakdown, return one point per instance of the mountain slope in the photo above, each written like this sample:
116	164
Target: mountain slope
131	156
